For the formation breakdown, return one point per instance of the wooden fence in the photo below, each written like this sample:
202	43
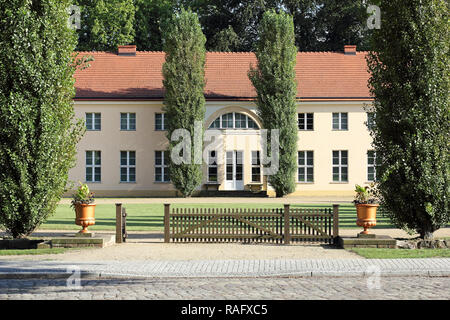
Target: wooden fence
273	225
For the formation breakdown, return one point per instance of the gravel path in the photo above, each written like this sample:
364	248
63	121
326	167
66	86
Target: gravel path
150	246
158	251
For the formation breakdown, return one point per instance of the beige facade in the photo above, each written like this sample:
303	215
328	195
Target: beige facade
145	140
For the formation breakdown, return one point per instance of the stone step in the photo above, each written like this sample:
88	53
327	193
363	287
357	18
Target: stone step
235	194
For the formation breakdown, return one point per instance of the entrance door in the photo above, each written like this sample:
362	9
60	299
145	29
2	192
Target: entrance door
234	172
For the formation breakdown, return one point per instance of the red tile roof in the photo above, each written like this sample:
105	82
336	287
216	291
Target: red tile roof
320	75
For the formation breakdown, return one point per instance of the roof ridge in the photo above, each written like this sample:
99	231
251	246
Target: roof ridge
231	52
150	51
220	52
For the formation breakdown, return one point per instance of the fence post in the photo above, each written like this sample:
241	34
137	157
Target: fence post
119	238
166	222
287	235
335	222
124	225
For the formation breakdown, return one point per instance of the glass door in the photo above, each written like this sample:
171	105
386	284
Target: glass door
234	172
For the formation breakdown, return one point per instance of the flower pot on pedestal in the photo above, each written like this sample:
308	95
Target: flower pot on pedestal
85	216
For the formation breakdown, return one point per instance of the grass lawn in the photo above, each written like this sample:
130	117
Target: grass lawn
149	217
375	253
10	252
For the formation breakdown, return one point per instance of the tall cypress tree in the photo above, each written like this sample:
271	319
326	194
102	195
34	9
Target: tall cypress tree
410	83
38	131
276	87
184	81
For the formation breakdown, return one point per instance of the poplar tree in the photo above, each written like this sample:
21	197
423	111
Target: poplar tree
410	84
184	100
276	88
38	130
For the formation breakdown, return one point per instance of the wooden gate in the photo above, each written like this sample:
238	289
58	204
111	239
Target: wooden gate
273	225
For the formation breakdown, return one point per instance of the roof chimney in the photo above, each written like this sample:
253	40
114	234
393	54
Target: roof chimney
129	50
350	50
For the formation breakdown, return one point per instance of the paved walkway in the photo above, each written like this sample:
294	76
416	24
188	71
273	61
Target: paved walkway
324	288
231	268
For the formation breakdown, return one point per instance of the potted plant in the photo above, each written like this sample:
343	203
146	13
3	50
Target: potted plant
366	207
82	202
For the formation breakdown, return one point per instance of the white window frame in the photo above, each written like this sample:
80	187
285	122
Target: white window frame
340	166
374	166
257	165
339	121
162	166
305	121
128	127
95	115
127	166
234	122
213	164
163	121
93	166
305	166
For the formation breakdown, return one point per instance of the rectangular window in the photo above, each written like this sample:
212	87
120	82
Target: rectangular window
340	166
128	121
305	166
256	167
212	166
93	166
93	121
305	121
340	121
162	166
371	166
127	166
160	122
370	120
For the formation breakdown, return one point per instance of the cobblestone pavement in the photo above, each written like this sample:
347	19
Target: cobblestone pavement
237	268
230	288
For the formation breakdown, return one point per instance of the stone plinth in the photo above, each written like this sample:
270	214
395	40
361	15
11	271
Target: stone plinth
379	241
79	242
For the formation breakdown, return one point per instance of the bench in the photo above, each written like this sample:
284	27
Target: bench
213	185
255	187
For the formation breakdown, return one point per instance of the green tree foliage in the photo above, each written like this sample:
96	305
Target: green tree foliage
150	15
319	25
105	24
225	40
410	83
217	16
184	80
38	131
229	25
339	23
276	87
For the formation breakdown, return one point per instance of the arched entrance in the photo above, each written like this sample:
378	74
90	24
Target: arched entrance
240	166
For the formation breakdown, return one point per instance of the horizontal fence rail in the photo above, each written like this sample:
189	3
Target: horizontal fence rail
272	225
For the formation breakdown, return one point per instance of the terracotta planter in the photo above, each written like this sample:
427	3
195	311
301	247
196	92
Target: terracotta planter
367	216
85	216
